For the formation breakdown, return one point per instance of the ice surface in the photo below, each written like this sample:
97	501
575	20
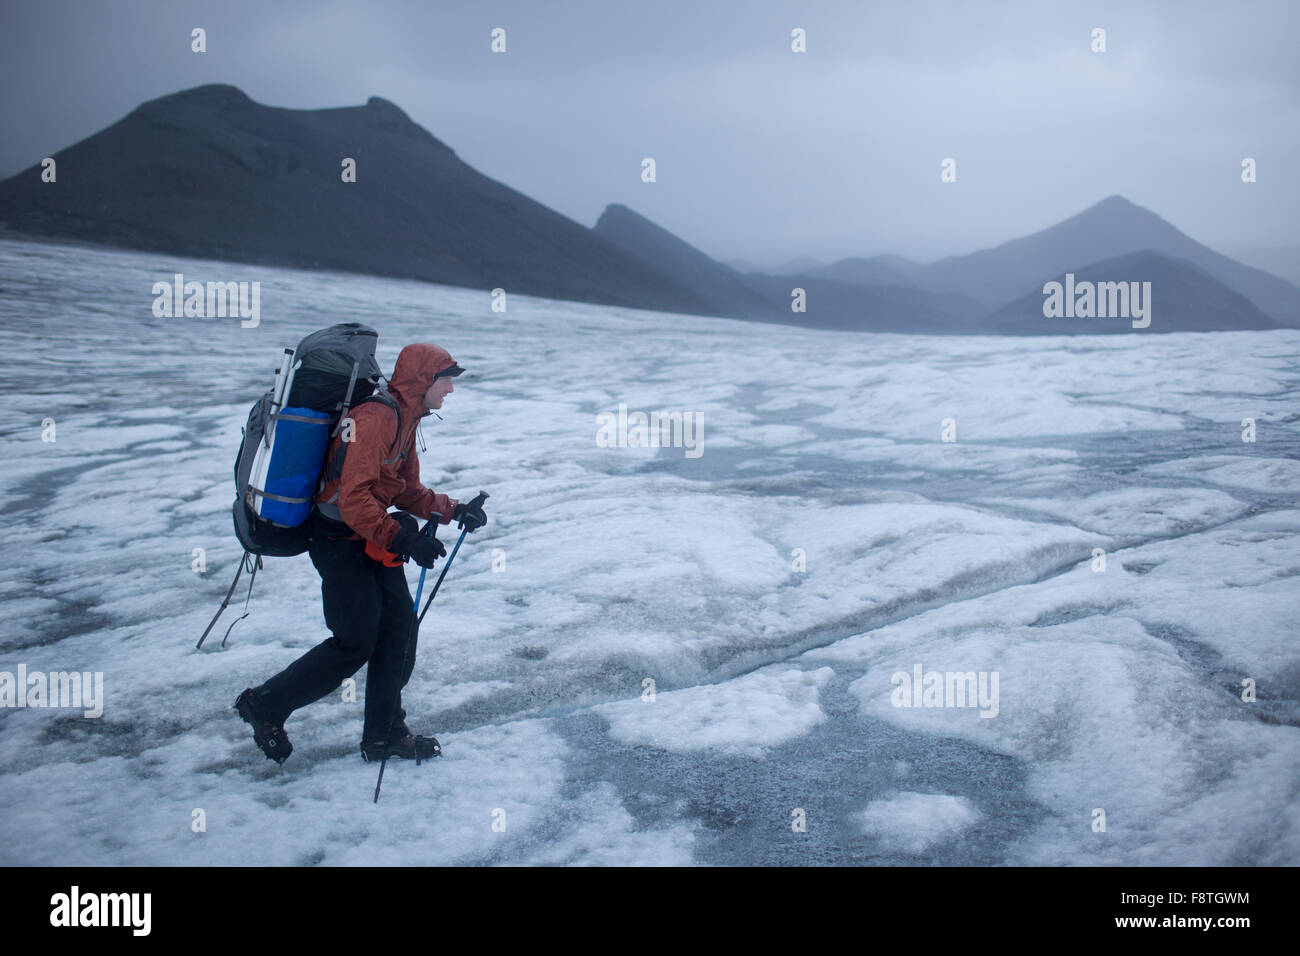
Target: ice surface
825	539
1138	513
1257	474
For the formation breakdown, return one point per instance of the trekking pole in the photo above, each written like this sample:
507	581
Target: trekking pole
415	624
482	496
437	584
420	586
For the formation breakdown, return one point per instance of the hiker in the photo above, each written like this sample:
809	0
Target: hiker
356	545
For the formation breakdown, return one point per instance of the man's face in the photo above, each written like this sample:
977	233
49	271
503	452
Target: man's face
439	390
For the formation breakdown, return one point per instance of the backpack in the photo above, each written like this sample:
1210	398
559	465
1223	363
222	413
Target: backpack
278	467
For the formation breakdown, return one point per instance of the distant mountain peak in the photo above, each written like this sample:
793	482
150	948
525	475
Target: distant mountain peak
387	111
618	218
616	210
211	96
1117	208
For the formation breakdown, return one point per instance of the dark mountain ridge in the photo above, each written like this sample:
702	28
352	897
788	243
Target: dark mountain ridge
210	173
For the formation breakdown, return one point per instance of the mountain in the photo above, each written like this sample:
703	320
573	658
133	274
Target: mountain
830	304
886	269
208	172
726	290
1111	228
868	308
795	266
998	290
1183	298
1281	261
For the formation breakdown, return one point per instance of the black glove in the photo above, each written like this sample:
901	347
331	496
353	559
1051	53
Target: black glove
469	514
408	523
424	549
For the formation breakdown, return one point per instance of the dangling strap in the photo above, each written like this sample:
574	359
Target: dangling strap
244	562
252	567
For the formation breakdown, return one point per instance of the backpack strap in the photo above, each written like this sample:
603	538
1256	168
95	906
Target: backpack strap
347	400
333	469
385	398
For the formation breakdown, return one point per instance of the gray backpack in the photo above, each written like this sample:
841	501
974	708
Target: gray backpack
285	440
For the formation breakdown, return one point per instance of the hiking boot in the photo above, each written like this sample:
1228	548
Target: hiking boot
410	747
270	737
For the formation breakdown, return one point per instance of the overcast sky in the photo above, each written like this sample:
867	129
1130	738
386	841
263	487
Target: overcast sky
762	153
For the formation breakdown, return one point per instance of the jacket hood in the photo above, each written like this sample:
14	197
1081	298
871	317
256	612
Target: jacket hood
413	374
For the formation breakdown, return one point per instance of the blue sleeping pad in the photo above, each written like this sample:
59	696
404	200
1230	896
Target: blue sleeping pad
297	455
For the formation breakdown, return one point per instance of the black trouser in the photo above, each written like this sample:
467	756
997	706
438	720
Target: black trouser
368	608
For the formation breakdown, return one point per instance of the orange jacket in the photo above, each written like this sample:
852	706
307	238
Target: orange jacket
373	477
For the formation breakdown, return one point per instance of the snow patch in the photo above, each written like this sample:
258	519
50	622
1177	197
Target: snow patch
909	822
745	716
